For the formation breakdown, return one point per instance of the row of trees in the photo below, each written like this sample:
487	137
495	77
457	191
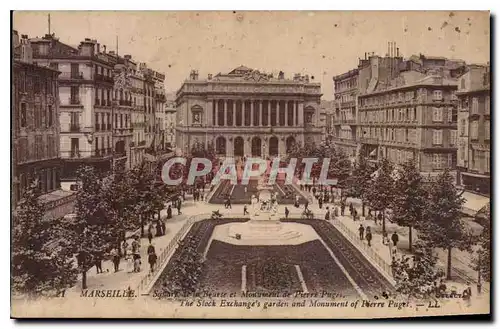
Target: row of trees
433	206
44	249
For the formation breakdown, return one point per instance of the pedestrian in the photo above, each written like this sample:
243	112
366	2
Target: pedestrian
355	215
287	212
369	217
137	262
116	259
306	205
395	239
368	235
385	239
379	217
169	212
179	208
124	248
229	203
163	228
245	212
130	263
361	230
314	190
327	215
320	202
150	236
351	208
342	207
98	261
201	196
336	212
246	190
152	257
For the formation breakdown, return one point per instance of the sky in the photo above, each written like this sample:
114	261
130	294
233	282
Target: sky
319	43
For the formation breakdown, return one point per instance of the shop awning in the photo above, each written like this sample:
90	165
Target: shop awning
473	203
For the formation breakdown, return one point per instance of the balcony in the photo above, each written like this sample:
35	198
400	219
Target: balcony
125	103
105	78
74	154
102	153
71	76
123	131
74	101
74	127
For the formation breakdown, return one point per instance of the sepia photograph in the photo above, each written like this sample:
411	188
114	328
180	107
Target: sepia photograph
250	164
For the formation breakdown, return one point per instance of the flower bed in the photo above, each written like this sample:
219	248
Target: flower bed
363	273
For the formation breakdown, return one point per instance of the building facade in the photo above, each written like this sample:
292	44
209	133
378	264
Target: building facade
160	105
170	115
35	131
474	126
415	119
86	108
246	112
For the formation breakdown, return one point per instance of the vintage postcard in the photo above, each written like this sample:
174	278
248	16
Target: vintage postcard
250	165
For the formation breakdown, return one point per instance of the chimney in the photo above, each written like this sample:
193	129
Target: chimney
397	52
104	48
210	76
127	57
111	52
365	55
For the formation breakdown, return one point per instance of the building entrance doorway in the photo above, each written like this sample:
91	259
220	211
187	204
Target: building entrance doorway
239	146
256	147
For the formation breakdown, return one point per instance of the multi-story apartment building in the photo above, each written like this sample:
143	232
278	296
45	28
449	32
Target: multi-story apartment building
35	130
345	127
149	103
373	71
86	108
160	100
169	121
327	111
415	117
474	125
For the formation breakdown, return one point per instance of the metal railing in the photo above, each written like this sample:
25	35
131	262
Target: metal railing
354	239
146	283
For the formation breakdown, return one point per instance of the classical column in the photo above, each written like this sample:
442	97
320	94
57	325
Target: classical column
269	107
301	114
261	111
224	121
278	113
233	106
296	116
251	113
216	105
286	113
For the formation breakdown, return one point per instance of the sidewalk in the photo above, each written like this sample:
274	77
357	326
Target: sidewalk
462	269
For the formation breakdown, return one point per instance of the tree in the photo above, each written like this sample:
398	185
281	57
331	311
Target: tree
444	227
410	198
482	261
41	261
95	225
361	180
416	277
381	193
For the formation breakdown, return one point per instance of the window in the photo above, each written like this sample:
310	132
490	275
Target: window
474	130
462	151
97	122
23	115
475	105
436	161
487	130
50	120
75	73
437	137
453	137
462	84
437	114
438	95
463	127
74	98
487	105
450	114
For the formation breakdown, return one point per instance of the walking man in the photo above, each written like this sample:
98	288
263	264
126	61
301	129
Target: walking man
395	239
287	212
369	236
245	212
115	259
361	230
